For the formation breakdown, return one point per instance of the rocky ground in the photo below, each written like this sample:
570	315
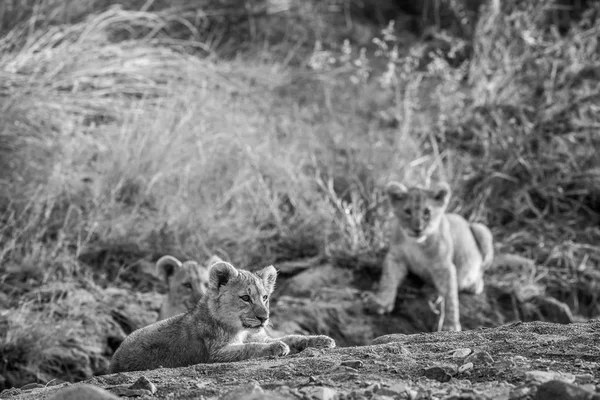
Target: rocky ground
535	360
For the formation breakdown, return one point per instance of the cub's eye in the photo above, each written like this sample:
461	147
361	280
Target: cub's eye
187	285
265	298
426	213
246	298
407	211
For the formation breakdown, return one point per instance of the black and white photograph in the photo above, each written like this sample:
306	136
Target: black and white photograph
300	199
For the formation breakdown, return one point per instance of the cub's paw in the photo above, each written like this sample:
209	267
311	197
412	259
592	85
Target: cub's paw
321	342
278	349
373	305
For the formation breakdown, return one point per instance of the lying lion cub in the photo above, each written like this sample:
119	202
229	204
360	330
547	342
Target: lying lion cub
442	248
226	325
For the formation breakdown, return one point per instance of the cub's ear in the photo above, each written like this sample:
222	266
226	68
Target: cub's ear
213	260
268	276
221	273
441	193
166	267
396	191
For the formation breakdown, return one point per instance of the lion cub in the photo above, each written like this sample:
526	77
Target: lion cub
226	325
442	248
187	283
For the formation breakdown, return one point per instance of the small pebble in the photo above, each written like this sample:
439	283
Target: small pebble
143	383
545	376
461	353
9	392
584	378
250	390
320	393
353	364
480	357
437	373
31	386
126	392
395	390
465	367
343	369
371	389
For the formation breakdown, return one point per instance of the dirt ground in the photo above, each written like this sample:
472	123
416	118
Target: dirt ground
535	360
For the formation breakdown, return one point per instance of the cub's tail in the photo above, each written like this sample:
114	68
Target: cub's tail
485	242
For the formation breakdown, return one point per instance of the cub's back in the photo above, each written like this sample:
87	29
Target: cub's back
157	341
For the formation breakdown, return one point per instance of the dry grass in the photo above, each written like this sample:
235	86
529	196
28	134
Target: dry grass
116	137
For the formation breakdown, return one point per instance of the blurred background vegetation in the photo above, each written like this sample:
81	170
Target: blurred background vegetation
263	131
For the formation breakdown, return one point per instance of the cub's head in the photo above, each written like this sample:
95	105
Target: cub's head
240	299
419	210
187	282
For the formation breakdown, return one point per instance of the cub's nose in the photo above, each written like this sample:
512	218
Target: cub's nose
262	319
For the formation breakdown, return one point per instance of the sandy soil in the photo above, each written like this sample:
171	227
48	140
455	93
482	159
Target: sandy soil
506	362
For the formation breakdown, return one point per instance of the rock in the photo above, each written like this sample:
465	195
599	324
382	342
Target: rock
392	338
465	367
248	391
6	393
465	396
584	378
394	390
550	309
353	364
31	386
319	393
437	373
560	390
310	352
372	389
126	392
545	376
313	279
55	382
143	383
521	392
343	369
296	266
82	391
461	353
480	357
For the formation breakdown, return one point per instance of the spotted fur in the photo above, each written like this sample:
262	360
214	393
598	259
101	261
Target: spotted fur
440	247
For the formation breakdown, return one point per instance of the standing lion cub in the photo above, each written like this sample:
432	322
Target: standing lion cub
226	325
439	247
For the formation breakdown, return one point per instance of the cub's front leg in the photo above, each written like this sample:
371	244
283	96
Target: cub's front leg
246	351
298	343
393	274
446	283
